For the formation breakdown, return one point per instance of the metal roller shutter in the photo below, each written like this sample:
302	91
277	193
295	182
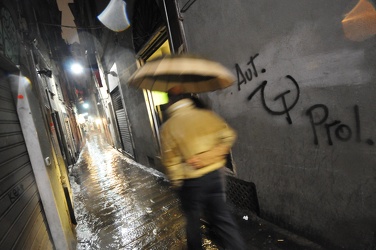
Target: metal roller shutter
22	219
122	120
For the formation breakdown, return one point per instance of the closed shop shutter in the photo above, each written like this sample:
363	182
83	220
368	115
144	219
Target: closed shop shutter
122	120
22	218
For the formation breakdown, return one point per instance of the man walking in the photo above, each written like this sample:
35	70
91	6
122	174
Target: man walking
195	143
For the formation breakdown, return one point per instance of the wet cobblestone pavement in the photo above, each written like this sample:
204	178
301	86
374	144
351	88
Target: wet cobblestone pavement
120	204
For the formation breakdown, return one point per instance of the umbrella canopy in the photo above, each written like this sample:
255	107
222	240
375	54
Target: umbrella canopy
194	74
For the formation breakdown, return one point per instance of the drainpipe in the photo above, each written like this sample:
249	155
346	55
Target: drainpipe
31	121
168	28
183	47
181	25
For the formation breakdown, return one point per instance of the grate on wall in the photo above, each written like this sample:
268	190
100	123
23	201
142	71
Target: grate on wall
242	194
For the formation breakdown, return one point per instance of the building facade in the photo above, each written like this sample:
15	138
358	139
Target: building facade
302	103
39	136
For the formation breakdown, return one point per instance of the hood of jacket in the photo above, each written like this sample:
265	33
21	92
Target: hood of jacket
184	104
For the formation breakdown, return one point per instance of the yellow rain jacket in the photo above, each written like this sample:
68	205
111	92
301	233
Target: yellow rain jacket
190	131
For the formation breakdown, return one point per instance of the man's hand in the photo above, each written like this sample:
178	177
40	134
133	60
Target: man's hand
207	158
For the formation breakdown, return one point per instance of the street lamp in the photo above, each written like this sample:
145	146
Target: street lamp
76	68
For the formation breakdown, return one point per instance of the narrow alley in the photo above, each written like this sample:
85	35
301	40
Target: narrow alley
120	204
87	87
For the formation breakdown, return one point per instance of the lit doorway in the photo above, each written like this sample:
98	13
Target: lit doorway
156	101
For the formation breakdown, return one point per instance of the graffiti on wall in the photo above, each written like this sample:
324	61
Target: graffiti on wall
251	72
318	114
336	128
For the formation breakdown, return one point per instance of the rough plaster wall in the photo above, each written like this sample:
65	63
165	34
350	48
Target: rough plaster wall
119	49
136	108
324	191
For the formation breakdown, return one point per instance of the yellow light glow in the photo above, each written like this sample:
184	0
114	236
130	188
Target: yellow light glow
163	50
360	23
159	98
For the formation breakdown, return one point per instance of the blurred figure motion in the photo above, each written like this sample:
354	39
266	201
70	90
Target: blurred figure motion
195	143
194	140
199	103
360	23
195	74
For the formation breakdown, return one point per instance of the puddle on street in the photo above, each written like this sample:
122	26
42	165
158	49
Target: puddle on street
120	204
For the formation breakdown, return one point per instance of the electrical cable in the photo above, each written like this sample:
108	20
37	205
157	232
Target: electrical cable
72	27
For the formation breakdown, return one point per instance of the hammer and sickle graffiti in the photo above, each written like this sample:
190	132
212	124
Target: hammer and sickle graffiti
282	97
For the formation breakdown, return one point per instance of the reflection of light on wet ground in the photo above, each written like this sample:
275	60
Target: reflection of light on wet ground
120	204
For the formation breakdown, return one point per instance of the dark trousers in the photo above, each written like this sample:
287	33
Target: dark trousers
207	195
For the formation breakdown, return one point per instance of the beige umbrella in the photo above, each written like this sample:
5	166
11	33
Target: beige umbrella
194	74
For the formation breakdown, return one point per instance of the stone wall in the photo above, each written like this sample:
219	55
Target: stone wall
303	106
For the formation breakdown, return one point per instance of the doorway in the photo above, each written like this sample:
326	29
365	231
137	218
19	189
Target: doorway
155	100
